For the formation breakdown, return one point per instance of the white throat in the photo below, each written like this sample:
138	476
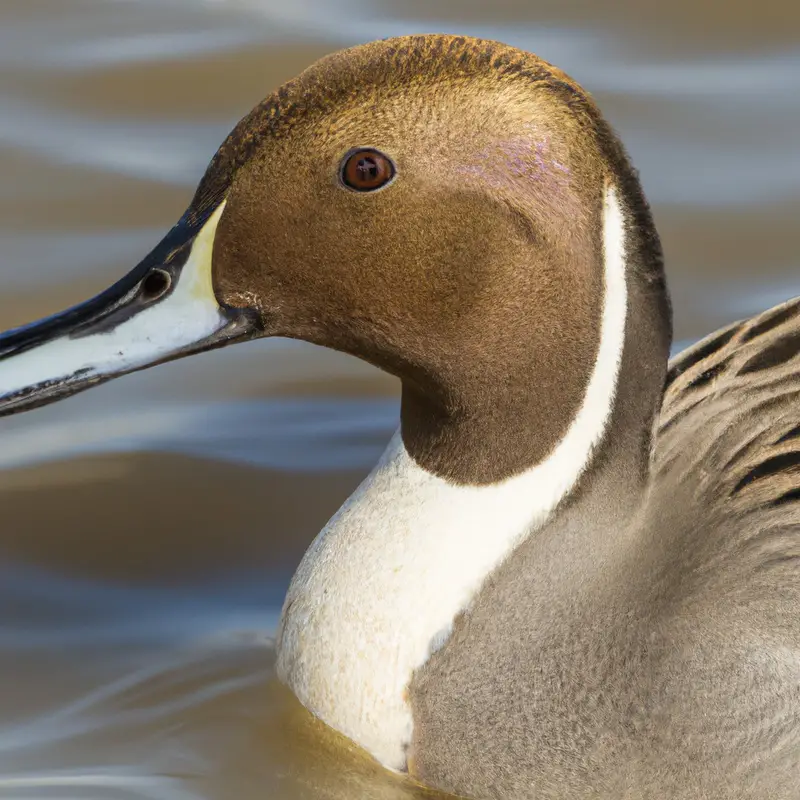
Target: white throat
378	590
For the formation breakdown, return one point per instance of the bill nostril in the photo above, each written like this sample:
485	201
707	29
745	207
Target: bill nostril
156	284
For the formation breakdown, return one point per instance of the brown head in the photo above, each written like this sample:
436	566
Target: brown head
432	204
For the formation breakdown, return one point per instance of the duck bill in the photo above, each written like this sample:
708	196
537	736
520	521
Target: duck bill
162	310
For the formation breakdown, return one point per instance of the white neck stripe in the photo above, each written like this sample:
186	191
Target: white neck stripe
382	583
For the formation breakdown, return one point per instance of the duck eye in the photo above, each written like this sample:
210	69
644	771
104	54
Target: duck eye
366	170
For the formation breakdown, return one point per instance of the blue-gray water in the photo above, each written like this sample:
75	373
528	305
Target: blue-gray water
150	526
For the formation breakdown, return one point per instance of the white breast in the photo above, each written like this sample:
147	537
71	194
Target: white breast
381	585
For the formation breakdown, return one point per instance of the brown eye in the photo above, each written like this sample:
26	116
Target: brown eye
367	170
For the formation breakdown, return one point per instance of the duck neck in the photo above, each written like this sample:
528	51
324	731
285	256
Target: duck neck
581	391
381	586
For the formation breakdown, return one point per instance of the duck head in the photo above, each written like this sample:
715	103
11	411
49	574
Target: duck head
436	205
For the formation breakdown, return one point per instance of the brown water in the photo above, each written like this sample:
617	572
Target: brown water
150	527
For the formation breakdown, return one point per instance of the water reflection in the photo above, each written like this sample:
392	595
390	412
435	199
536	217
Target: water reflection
290	434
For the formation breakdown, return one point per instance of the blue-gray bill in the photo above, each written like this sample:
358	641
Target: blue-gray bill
164	309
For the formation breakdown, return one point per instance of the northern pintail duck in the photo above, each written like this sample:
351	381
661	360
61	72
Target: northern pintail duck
575	571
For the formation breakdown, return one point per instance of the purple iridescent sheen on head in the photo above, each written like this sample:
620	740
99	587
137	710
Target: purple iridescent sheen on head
520	157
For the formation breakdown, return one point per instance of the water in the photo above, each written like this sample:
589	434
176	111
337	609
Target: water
150	527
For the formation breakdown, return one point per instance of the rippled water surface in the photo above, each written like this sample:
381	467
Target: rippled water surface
150	527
